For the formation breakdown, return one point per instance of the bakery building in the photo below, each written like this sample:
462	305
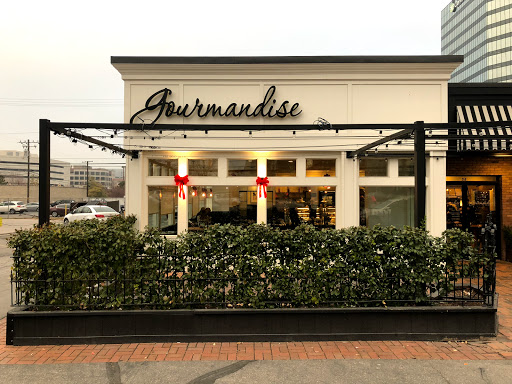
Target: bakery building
281	140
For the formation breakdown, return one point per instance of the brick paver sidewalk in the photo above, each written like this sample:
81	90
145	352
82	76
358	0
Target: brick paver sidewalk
493	349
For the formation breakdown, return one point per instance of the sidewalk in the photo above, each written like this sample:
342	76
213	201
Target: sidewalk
499	348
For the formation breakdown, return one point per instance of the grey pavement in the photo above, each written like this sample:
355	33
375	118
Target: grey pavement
5	278
9	225
268	372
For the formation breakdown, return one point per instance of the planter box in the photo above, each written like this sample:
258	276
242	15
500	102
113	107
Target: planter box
223	325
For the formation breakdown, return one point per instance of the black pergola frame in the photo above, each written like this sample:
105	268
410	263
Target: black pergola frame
416	130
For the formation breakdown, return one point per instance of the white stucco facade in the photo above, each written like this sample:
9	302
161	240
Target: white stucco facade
341	90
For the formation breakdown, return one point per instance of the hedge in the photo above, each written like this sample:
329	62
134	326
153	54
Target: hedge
108	264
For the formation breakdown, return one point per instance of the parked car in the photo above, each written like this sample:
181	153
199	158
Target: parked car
33	207
57	202
86	212
59	210
13	207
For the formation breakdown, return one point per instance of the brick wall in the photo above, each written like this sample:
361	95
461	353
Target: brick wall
488	166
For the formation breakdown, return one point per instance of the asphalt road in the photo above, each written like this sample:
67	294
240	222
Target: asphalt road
268	372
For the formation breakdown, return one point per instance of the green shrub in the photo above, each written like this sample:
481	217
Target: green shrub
109	264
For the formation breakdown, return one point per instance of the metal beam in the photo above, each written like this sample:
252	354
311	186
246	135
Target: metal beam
44	172
399	135
269	127
92	140
419	174
231	127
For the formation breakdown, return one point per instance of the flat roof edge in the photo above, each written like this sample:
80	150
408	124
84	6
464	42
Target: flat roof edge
284	59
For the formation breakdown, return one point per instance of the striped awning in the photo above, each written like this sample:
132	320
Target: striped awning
491	140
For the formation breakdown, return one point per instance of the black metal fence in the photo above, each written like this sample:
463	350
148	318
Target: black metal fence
159	281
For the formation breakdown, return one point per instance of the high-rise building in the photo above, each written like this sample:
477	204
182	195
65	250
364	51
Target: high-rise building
14	169
481	30
79	174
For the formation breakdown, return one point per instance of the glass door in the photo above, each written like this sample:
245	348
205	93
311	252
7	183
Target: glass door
469	202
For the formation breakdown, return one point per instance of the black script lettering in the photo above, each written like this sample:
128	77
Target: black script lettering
294	107
170	109
231	110
284	112
158	101
161	104
243	109
199	109
268	96
214	110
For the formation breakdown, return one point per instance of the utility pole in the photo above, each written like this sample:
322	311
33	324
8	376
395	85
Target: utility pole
26	146
87	180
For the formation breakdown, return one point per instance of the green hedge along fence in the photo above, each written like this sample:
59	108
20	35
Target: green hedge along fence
108	265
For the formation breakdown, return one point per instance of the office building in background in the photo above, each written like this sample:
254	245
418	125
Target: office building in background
481	30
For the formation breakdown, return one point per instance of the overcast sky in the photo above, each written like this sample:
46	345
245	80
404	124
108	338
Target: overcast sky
55	55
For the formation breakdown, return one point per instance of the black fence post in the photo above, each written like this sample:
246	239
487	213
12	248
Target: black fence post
44	172
419	173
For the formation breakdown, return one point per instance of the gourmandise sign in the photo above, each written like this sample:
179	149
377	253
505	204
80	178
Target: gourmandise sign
159	102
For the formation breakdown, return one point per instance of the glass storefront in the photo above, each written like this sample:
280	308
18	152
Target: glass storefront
281	168
320	167
163	167
288	207
373	167
386	206
238	167
163	209
469	202
405	167
203	167
221	205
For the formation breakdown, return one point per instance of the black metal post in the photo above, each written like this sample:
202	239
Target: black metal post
419	173
87	180
44	172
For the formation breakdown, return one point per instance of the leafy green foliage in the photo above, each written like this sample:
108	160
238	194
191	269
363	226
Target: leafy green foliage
108	264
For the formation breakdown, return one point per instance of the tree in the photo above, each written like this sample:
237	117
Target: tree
2	180
96	189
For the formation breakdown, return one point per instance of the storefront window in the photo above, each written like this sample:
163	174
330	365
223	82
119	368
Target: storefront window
282	168
386	206
320	167
163	167
406	167
221	205
288	207
242	167
202	167
163	209
373	167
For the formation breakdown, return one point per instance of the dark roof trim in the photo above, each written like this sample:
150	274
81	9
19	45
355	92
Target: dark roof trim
480	93
283	59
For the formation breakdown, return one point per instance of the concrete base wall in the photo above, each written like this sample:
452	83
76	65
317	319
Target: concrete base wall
19	192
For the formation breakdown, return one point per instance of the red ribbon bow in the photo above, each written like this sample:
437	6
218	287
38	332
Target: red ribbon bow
262	185
180	182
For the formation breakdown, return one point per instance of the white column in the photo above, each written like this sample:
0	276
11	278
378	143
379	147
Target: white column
436	193
135	183
262	201
183	203
349	212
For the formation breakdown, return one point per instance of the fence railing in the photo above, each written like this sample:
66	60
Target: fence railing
158	283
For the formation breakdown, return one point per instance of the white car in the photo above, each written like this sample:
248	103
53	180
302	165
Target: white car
13	207
86	212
